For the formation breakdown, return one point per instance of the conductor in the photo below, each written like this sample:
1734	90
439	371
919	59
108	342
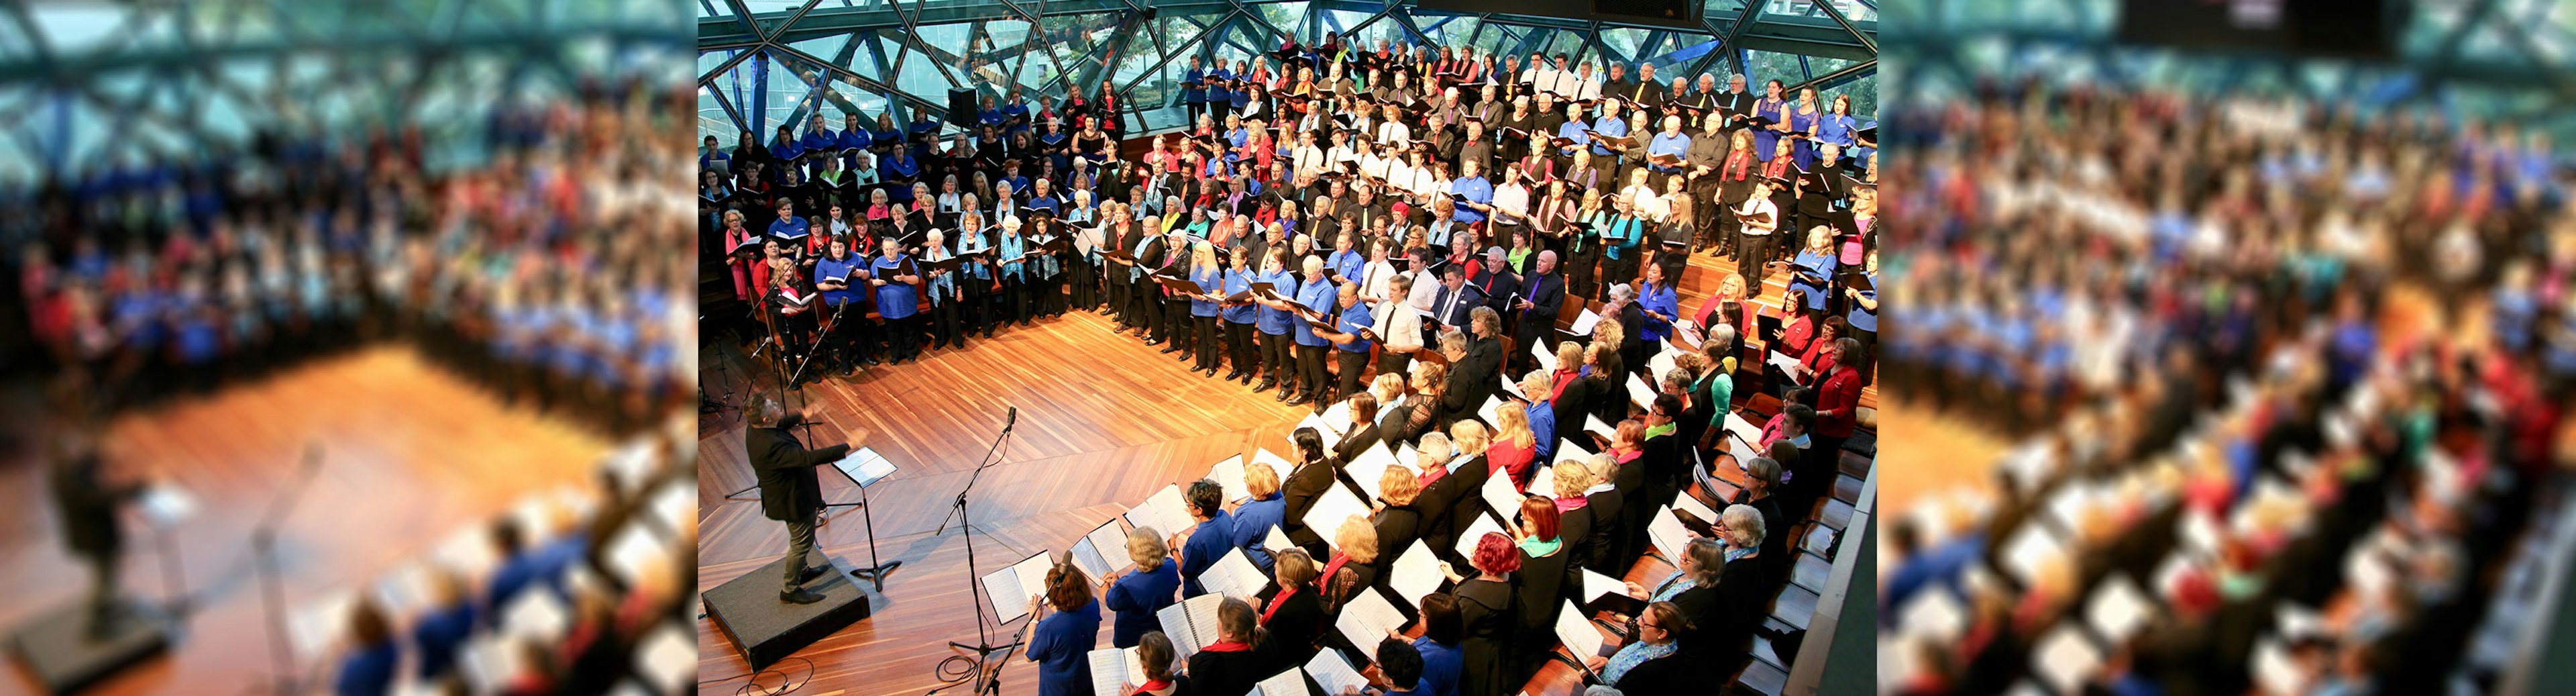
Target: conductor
88	504
789	489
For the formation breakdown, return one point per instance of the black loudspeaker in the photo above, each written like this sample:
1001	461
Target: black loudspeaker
961	108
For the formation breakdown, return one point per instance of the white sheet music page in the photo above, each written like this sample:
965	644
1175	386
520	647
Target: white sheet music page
1416	573
1333	673
1573	627
1501	497
1336	504
1228	475
1467	539
1366	619
1667	533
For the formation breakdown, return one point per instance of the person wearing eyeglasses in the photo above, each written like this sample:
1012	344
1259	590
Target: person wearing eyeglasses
1649	664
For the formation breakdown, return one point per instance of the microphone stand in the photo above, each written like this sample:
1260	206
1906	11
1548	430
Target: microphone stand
263	541
985	681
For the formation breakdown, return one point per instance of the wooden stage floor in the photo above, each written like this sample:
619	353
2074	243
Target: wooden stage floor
411	455
1104	421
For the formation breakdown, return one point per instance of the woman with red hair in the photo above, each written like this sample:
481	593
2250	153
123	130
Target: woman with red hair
1486	608
1541	581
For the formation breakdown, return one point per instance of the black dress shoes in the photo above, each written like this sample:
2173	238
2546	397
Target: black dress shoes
809	574
800	596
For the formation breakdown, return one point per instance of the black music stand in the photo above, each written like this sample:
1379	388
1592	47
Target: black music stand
979	671
865	467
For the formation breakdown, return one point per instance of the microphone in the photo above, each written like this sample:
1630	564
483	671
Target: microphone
1011	420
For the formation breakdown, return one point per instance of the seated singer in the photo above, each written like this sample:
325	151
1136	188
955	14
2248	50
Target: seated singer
789	489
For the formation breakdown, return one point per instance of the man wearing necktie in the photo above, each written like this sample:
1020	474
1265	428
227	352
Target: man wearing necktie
1456	296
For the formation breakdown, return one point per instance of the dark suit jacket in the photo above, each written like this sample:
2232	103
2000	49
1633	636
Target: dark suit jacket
1539	321
1456	315
1300	488
89	507
1469	482
789	490
1499	286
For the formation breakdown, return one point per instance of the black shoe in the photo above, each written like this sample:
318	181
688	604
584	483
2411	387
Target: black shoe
1166	348
809	574
1247	378
1264	386
1157	342
1301	400
851	371
1319	407
872	361
1211	372
1285	393
1187	356
800	596
1236	375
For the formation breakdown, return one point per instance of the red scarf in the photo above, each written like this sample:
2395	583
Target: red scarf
1571	504
1563	377
1739	164
1777	168
1226	646
1338	559
1282	598
1151	686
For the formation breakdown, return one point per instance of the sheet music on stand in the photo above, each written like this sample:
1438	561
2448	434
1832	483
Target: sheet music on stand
166	504
1010	588
864	466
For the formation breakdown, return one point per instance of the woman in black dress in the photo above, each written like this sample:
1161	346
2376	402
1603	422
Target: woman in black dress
1292	609
1540	584
1490	612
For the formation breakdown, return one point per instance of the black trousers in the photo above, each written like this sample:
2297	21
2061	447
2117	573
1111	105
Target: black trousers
1176	322
1014	300
1277	356
1751	258
1393	363
1353	362
1310	370
903	337
102	590
1205	342
841	345
1868	355
1113	288
1618	270
1238	348
1578	270
1151	314
943	323
977	311
800	539
1085	279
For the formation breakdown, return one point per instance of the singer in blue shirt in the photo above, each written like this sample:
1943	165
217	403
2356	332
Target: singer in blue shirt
1275	327
1609	124
1014	300
1345	261
1153	585
1195	100
1211	281
834	274
1659	304
894	275
1669	142
1316	295
1238	318
788	227
1350	349
1471	183
1211	540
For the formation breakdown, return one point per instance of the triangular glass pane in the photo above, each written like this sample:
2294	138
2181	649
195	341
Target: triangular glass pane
826	48
76	29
